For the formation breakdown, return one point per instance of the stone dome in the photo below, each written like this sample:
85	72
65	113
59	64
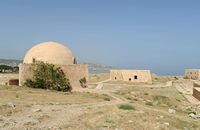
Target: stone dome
50	52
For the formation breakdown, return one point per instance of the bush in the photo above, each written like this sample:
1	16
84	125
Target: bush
149	103
106	98
83	82
47	76
162	100
127	107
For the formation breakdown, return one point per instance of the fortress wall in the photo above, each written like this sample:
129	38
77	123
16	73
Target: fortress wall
192	74
73	72
138	76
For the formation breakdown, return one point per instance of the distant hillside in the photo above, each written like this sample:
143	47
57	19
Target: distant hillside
93	68
96	69
10	62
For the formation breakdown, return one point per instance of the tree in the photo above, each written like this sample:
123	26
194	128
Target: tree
4	68
47	76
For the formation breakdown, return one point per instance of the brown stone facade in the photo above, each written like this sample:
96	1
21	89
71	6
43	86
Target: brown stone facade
73	72
196	93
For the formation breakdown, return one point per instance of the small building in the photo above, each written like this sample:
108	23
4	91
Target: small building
137	76
57	54
192	74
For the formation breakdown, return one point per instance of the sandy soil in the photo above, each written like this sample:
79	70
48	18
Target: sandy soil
156	107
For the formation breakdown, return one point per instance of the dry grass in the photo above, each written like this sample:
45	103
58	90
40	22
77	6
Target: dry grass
95	111
26	97
93	78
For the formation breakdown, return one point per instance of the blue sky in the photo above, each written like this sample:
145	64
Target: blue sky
163	36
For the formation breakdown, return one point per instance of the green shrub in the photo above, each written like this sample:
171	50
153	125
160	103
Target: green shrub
17	96
129	98
176	78
47	76
127	107
106	98
83	82
149	103
162	100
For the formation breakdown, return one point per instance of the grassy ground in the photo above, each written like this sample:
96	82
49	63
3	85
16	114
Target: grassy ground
114	107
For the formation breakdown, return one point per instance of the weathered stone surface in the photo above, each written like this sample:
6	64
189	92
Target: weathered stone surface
138	76
171	111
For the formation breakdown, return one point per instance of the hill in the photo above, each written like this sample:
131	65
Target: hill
10	62
93	68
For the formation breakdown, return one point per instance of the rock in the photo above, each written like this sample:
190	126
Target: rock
161	117
197	116
37	110
31	122
67	93
54	128
191	115
132	93
10	104
171	111
130	121
166	123
140	112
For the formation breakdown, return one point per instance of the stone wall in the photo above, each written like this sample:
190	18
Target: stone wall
138	76
4	78
192	74
196	93
73	72
25	72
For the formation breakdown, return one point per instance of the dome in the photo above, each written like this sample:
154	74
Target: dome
50	52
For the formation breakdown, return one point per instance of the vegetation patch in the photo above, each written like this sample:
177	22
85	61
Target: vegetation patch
160	100
149	103
83	82
126	107
47	76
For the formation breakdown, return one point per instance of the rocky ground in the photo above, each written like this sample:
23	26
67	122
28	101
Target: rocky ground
106	106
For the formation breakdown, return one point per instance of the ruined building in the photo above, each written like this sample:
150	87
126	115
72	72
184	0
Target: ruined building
192	74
